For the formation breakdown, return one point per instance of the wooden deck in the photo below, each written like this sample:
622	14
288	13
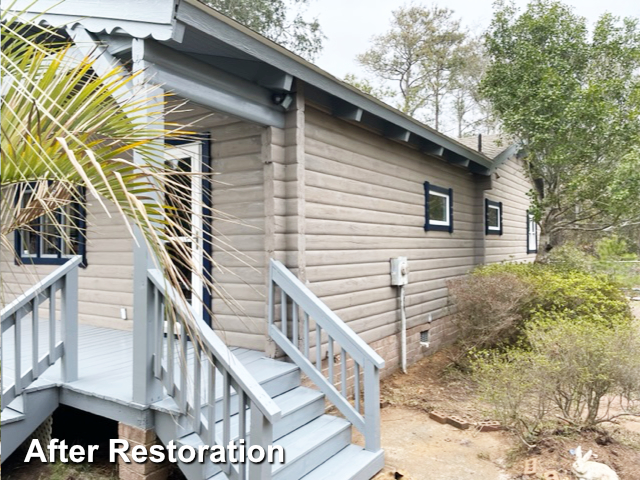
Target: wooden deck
105	360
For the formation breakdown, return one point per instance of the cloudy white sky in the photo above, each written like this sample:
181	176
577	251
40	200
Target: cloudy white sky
350	24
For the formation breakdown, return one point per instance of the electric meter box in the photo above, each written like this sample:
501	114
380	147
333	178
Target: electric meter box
399	271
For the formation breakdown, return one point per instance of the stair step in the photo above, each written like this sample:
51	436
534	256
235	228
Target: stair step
299	406
311	445
274	376
351	463
308	447
9	415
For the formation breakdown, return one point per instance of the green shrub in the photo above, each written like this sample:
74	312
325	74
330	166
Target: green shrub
614	248
570	257
572	370
494	303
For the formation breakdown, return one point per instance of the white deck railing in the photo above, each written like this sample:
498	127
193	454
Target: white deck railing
195	393
65	280
296	338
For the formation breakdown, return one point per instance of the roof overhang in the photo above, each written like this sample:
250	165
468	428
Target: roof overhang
222	43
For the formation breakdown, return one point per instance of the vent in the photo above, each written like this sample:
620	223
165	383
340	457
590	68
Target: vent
424	338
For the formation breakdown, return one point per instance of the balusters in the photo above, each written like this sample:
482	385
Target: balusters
211	400
318	347
356	385
158	310
197	379
170	353
306	334
226	408
283	310
52	323
242	427
330	358
294	320
343	373
184	371
18	351
34	336
272	306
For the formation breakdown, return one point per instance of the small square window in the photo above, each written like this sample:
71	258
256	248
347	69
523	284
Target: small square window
438	208
493	217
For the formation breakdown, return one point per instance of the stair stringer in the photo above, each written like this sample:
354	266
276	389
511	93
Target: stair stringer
38	406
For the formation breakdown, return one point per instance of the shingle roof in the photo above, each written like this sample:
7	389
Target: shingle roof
492	145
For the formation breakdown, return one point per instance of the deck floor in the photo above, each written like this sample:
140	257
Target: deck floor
105	361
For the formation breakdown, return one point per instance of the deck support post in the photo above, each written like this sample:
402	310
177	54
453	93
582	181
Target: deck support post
69	332
146	388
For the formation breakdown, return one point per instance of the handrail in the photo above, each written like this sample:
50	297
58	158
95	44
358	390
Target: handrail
208	414
294	336
65	280
40	287
221	352
334	325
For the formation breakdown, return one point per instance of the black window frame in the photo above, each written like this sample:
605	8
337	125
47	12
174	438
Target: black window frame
487	229
38	259
448	192
529	217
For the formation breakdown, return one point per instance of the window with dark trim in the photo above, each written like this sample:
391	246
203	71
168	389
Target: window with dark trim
492	217
45	243
532	233
438	208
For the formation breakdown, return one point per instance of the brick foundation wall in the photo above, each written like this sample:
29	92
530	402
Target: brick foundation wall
442	332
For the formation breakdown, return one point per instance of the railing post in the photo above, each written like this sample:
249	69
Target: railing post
371	406
146	388
260	433
69	309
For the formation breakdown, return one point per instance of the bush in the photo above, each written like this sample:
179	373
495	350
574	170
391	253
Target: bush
614	248
494	303
489	308
572	370
570	257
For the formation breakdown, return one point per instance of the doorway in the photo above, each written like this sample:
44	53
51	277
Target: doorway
191	213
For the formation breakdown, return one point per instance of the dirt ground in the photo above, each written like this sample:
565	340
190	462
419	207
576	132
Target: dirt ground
418	448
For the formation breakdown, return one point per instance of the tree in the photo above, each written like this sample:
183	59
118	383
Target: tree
279	20
572	98
422	54
365	86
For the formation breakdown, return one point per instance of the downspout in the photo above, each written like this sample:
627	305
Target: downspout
403	328
399	278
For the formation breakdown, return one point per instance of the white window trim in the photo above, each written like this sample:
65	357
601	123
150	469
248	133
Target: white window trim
533	234
496	228
447	208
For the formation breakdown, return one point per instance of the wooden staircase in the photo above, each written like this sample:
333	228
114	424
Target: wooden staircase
316	445
197	391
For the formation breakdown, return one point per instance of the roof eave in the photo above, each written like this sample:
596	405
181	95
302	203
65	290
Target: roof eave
217	25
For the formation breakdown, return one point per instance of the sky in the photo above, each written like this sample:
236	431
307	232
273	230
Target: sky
350	24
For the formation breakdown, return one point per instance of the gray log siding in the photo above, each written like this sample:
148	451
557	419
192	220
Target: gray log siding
510	186
238	191
331	201
365	204
105	284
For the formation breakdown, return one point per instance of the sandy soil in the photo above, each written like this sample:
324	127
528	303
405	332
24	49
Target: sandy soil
422	449
419	448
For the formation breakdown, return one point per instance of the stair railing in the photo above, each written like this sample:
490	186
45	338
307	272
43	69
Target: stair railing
29	304
307	324
195	392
